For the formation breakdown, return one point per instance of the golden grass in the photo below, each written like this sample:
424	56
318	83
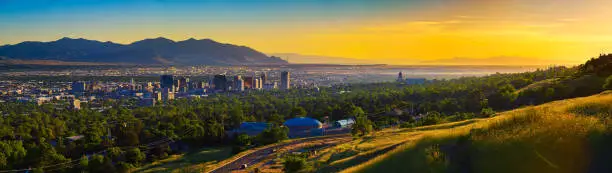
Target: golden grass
548	138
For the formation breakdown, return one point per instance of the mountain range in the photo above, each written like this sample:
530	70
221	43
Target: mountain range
157	51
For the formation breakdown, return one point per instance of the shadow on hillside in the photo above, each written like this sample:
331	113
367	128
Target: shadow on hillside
358	159
447	126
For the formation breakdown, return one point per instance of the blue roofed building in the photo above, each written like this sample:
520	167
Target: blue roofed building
303	123
252	128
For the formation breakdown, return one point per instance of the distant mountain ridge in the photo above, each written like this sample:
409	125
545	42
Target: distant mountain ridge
148	51
295	58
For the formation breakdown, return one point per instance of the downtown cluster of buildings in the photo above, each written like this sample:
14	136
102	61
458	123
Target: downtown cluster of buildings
148	93
254	82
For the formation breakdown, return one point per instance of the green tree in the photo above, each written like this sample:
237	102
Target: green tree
123	167
272	135
432	118
134	156
236	116
298	111
11	153
608	84
295	163
362	126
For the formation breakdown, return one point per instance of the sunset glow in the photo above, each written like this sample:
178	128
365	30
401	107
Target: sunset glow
392	32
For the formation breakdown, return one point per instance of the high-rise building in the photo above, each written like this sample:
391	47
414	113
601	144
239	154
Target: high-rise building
248	82
167	94
78	87
220	82
239	85
270	85
257	84
182	82
400	77
285	80
132	84
166	81
264	77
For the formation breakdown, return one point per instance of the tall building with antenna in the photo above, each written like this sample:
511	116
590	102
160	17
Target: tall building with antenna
285	80
400	77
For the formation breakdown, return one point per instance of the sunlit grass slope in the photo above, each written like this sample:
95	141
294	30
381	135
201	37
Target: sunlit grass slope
198	161
570	136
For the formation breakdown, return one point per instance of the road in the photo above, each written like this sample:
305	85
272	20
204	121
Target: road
260	155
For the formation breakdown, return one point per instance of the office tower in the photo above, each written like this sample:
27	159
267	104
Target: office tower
237	81
167	94
182	82
256	84
132	84
166	81
78	87
248	82
158	96
264	77
239	85
285	80
220	82
400	77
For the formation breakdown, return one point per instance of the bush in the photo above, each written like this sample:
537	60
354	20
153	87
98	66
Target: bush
487	112
124	167
608	84
272	135
407	125
431	118
295	163
362	126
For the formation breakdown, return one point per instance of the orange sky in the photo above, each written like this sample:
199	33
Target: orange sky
392	33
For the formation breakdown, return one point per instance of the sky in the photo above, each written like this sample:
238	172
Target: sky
383	31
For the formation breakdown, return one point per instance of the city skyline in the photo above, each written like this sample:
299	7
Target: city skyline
390	32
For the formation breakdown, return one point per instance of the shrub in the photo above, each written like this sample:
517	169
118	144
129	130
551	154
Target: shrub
407	125
431	118
272	135
608	84
295	163
362	126
487	112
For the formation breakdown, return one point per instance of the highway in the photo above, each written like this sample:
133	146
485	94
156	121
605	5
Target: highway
262	154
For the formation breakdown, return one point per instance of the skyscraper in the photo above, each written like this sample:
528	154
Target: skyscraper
220	82
257	84
239	85
285	80
167	94
182	82
400	77
166	81
78	87
248	82
264	78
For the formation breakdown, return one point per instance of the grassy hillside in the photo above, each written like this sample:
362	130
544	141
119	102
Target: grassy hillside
191	162
563	136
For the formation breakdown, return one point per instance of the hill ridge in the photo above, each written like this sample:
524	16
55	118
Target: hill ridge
158	50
